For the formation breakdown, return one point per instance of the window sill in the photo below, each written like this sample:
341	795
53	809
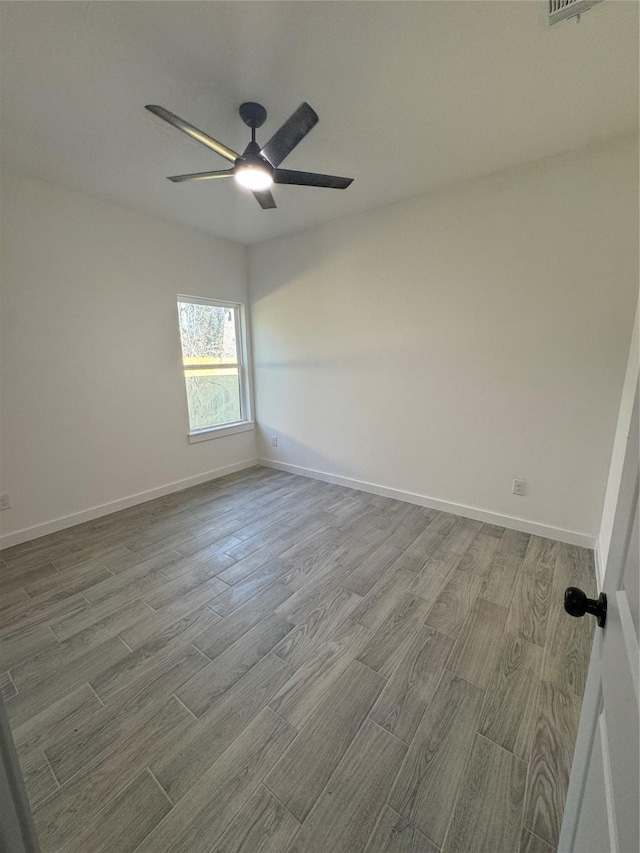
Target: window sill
220	432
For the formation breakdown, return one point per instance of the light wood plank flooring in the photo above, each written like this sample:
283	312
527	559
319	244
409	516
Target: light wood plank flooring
271	664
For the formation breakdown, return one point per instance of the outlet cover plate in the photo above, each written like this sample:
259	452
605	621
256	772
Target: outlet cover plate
519	487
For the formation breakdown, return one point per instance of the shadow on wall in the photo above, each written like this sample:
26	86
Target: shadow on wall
308	458
290	450
303	252
321	247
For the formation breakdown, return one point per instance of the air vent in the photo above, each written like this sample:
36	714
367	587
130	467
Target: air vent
560	10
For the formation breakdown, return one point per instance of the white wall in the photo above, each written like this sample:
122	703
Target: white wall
92	395
444	345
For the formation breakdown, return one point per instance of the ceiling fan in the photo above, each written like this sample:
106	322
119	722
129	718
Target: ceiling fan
257	168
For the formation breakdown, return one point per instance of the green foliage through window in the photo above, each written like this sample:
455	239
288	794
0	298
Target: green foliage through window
207	331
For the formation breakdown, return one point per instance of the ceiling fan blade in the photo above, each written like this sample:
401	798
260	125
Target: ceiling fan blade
193	132
265	199
310	179
287	137
201	176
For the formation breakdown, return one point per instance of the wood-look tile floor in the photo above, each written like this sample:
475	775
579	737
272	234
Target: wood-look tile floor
271	664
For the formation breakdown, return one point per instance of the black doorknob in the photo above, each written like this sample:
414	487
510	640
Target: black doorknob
576	603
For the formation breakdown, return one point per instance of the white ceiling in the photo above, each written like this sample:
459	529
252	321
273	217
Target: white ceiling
411	95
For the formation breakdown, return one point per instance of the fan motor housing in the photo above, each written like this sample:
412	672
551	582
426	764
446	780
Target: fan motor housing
251	156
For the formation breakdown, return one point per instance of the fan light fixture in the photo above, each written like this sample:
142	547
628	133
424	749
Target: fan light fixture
253	178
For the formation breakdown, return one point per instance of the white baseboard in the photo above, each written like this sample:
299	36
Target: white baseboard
27	533
549	532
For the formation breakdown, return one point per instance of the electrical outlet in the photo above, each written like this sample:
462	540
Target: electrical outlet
274	441
5	502
519	487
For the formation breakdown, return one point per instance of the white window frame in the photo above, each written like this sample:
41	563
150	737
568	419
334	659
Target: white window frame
246	421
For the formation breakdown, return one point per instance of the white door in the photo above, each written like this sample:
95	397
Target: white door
601	813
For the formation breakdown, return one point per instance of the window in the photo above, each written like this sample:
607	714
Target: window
215	368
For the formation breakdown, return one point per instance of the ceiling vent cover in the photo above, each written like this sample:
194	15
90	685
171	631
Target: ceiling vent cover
560	10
